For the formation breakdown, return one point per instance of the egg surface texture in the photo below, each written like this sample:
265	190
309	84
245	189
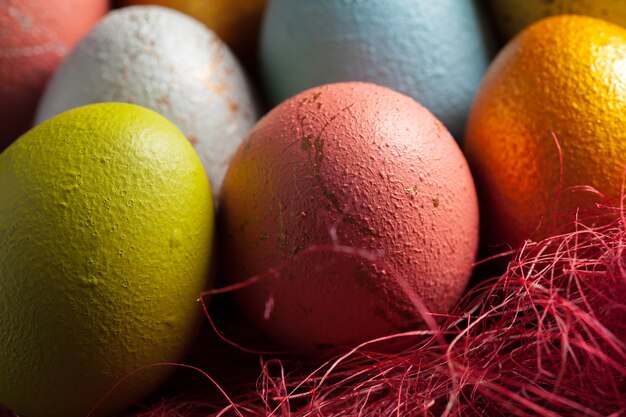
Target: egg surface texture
34	38
236	22
106	224
435	52
360	200
563	77
166	61
511	16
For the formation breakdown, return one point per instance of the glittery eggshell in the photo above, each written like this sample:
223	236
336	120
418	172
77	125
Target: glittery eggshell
34	38
434	51
166	61
367	169
563	78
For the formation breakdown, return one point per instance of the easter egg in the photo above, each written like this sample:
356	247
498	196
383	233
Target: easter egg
166	61
34	38
236	22
354	201
106	229
511	16
547	120
435	52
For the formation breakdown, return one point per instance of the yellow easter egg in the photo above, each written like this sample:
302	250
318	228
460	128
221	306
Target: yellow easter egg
106	234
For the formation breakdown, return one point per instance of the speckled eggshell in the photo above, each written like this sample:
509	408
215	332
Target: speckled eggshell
34	38
434	51
164	60
236	22
364	167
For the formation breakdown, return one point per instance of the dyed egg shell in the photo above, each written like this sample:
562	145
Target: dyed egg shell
563	76
166	61
435	52
236	22
511	16
106	236
363	167
34	38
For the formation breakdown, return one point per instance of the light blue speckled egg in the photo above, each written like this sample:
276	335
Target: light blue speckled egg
434	51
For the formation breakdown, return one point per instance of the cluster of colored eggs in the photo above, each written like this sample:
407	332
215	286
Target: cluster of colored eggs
351	202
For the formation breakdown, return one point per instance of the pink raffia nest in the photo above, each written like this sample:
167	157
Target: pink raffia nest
546	338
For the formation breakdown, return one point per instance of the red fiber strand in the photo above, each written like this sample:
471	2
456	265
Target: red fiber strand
546	338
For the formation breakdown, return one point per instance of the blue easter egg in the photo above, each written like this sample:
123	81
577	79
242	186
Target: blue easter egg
434	51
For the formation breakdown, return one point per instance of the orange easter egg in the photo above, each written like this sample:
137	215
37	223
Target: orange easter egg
563	77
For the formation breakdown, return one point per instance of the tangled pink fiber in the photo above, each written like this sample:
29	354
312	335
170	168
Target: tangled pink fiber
545	338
